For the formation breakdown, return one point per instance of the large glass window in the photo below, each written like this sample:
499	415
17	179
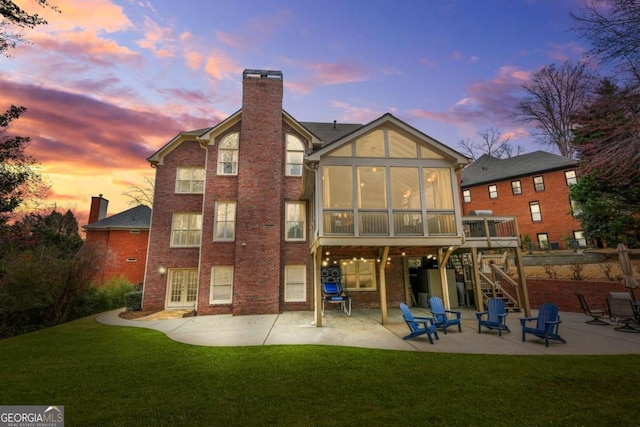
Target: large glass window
295	220
190	180
536	214
337	187
228	155
406	201
295	287
225	221
186	229
295	156
372	201
371	145
221	285
401	146
438	191
372	192
359	274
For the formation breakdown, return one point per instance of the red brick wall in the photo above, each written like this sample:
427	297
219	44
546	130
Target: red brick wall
165	202
555	207
563	293
113	248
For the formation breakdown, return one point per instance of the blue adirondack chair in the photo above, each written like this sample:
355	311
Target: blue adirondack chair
444	318
418	325
496	316
547	324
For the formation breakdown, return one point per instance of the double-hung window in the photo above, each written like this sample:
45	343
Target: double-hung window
295	283
225	221
228	155
221	285
295	220
466	196
538	183
190	180
516	187
359	274
536	214
186	229
493	191
570	177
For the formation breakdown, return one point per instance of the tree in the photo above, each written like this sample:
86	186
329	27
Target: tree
493	142
607	136
15	20
613	29
605	212
554	95
141	194
18	178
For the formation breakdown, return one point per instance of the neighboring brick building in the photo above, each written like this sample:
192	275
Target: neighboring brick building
247	211
534	187
120	241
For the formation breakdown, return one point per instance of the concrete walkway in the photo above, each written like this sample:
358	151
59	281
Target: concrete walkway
363	329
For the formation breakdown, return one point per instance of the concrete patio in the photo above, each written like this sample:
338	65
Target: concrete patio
363	329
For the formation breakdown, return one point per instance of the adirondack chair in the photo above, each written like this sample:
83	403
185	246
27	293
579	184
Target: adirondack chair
418	325
332	293
444	318
496	316
596	314
546	326
622	310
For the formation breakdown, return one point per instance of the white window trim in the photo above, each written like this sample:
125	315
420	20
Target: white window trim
212	285
301	150
220	168
303	220
186	245
287	283
191	181
215	221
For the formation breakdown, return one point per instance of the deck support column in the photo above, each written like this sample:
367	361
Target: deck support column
317	287
383	284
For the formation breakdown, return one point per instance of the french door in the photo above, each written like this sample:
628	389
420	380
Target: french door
182	289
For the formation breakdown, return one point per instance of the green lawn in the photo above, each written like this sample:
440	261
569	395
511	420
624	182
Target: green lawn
107	375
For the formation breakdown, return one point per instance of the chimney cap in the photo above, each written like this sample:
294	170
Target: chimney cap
263	74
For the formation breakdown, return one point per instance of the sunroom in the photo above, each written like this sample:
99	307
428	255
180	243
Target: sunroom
381	190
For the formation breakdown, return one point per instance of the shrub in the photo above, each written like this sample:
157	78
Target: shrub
133	301
99	299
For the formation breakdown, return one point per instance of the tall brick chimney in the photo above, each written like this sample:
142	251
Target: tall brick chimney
260	195
98	210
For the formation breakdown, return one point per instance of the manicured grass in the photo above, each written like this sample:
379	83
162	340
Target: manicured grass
116	376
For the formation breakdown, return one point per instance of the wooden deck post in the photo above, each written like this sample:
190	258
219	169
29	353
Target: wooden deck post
317	287
383	284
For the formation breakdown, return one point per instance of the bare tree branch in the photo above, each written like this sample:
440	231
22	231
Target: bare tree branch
554	95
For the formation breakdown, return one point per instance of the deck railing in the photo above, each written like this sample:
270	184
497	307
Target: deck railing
490	231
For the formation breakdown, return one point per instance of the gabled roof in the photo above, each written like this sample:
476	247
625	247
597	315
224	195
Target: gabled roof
136	218
388	118
489	169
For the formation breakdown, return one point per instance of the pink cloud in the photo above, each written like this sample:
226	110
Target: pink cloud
353	114
324	74
219	65
487	103
157	39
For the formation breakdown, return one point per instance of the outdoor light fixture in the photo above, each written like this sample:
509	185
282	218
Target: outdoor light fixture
162	270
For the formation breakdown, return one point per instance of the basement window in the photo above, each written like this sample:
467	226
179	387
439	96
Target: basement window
132	259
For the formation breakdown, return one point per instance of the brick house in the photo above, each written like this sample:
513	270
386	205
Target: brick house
120	241
534	187
247	212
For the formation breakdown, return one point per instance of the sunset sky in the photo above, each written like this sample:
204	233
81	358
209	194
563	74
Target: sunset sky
108	82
